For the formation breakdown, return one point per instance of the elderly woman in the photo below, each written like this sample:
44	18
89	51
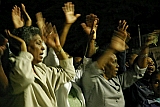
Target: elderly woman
33	84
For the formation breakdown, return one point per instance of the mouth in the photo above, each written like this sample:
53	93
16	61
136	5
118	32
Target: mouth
41	55
150	70
116	71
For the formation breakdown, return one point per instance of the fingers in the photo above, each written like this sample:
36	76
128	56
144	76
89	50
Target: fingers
16	11
92	20
49	27
68	7
39	16
23	7
78	15
83	25
54	29
40	20
23	44
122	25
13	36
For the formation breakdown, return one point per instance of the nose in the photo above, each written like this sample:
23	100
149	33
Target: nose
42	47
117	65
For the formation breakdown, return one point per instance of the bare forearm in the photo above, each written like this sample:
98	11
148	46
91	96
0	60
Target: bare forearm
60	53
28	21
64	33
142	58
91	48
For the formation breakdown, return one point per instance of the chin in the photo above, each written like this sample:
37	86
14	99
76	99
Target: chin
36	62
39	61
115	75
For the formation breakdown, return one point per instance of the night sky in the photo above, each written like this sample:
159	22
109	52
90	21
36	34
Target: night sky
146	13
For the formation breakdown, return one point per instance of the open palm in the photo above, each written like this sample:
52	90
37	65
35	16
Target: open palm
68	10
16	17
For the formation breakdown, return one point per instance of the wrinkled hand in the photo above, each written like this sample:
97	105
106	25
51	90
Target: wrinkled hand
51	36
118	41
40	22
23	44
17	19
91	24
68	10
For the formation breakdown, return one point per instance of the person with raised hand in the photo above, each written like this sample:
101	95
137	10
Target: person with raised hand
102	86
81	62
70	17
138	92
33	84
90	28
20	18
63	99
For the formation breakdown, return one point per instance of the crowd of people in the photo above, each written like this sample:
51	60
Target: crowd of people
35	71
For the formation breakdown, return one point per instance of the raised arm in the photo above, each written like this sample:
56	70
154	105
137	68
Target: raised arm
40	22
28	21
117	44
52	41
23	46
142	57
3	77
17	19
68	10
20	18
90	28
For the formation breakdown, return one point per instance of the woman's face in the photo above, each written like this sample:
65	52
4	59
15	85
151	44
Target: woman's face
151	66
111	67
155	85
35	47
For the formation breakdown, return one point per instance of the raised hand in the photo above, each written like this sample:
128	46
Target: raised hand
40	22
28	19
17	18
68	10
122	28
51	36
152	38
23	44
91	24
118	41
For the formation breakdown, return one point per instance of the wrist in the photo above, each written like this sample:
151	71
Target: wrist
67	24
57	49
143	55
58	52
93	39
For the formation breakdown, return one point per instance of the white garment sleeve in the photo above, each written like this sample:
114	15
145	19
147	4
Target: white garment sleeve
22	74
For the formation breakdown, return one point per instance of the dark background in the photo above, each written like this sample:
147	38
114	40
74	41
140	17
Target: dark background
146	13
